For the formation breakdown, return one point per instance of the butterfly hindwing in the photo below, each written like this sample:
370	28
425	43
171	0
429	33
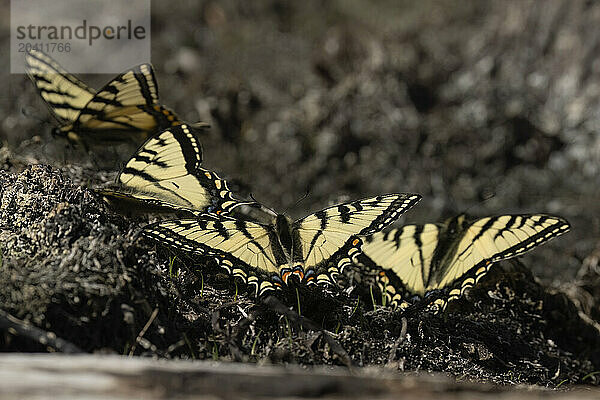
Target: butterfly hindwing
165	172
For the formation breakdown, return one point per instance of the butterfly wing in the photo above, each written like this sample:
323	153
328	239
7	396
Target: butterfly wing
65	95
127	107
165	172
405	257
333	233
492	239
243	248
402	258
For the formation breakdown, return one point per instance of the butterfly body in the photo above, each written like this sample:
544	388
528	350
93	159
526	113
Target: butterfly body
313	249
453	256
445	251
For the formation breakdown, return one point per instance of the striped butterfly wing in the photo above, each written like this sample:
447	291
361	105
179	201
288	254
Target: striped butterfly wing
332	234
256	253
244	249
64	94
418	259
402	257
165	172
492	239
127	107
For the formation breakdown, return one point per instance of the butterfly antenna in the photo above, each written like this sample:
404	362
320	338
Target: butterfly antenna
486	196
306	194
264	208
200	126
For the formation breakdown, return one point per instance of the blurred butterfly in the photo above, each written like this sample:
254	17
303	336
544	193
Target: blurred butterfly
125	109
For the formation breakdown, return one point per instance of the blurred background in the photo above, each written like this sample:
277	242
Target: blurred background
481	107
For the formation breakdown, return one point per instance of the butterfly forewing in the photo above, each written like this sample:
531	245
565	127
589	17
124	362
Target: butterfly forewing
128	103
325	232
493	239
165	171
134	87
334	232
407	251
65	95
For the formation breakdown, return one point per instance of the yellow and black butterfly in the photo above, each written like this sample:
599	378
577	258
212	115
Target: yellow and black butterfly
416	260
165	172
313	249
125	109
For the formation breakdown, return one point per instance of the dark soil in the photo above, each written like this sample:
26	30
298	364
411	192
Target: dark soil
489	107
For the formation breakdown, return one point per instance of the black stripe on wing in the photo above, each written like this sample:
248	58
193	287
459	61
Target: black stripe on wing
396	208
558	228
129	88
190	147
510	224
147	80
51	80
52	65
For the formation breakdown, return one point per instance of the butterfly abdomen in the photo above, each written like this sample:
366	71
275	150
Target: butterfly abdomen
284	231
451	232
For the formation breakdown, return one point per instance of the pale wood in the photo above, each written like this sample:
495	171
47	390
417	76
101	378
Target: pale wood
45	376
